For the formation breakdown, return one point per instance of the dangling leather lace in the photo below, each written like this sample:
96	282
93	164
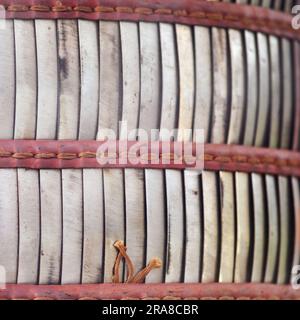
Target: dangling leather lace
131	277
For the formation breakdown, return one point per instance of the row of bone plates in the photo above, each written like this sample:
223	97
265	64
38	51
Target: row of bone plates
68	79
281	5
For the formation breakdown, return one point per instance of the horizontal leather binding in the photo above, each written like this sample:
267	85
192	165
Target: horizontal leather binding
150	291
190	12
58	154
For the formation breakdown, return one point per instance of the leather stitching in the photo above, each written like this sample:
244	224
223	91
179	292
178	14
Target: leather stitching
235	158
174	291
42	154
230	17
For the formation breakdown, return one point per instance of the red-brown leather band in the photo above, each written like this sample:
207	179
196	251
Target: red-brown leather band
57	154
149	291
191	12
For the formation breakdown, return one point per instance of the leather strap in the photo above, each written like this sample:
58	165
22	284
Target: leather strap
149	291
191	12
56	154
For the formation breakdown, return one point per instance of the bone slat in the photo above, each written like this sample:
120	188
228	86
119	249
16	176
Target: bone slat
50	180
155	191
93	211
8	187
25	127
191	177
273	141
69	82
109	37
210	179
256	180
285	192
241	179
295	181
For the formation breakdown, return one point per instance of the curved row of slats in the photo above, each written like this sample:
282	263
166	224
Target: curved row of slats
73	79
